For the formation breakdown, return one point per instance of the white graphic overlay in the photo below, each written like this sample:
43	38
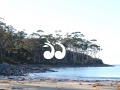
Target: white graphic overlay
48	54
57	54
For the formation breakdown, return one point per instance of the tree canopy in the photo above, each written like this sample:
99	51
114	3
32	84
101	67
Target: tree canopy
18	47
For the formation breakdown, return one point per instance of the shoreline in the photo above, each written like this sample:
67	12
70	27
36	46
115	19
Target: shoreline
95	65
86	79
50	84
24	69
29	83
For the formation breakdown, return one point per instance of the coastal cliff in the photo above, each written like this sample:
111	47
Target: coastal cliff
16	47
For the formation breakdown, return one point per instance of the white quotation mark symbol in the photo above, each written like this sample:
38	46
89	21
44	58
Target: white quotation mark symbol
58	54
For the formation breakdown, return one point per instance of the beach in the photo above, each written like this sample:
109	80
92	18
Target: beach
67	78
57	84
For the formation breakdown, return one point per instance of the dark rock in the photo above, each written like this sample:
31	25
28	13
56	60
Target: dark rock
21	70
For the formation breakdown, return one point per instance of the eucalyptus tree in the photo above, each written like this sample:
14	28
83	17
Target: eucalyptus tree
95	48
2	41
34	45
77	41
6	39
15	45
67	41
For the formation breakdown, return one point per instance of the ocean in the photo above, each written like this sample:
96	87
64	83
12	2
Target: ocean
81	73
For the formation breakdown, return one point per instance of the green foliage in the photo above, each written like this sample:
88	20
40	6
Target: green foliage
17	47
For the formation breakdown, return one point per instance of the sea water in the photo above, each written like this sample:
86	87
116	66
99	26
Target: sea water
88	73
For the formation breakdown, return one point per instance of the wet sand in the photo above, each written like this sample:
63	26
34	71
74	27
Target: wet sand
48	84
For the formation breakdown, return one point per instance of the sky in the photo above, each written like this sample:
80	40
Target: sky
96	19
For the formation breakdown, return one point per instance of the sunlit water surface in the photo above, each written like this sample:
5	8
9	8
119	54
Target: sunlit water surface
91	73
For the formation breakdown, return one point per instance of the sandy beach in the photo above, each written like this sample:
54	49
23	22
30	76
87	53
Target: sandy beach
48	84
